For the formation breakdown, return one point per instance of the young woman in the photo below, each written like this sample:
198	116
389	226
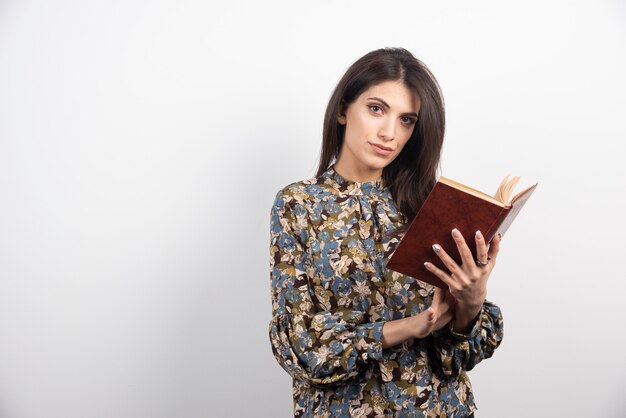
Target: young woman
358	339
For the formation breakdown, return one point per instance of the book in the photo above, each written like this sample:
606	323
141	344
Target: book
449	205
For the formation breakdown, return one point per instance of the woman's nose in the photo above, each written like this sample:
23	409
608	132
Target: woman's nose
387	129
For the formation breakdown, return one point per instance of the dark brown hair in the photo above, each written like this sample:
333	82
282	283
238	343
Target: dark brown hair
412	174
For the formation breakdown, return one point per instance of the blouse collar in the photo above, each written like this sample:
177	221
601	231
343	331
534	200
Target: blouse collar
367	188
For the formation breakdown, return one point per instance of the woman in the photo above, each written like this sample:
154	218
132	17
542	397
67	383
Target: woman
358	339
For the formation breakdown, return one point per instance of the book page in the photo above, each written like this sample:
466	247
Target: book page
502	197
523	192
503	194
470	190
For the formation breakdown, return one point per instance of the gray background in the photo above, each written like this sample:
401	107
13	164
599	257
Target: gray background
142	144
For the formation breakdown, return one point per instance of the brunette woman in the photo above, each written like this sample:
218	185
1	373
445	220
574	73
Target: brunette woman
358	339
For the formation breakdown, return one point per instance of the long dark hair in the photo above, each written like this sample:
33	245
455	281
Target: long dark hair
412	174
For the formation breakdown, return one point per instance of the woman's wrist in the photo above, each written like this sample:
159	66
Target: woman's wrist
399	330
418	326
466	317
395	332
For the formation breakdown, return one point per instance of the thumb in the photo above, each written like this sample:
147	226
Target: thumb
437	298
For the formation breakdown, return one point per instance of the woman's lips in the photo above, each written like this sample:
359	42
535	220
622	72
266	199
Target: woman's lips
380	150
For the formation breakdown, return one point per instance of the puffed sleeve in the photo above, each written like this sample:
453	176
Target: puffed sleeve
455	352
320	348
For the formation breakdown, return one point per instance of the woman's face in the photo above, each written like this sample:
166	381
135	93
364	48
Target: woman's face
377	126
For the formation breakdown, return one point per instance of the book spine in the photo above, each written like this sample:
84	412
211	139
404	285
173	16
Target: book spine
495	226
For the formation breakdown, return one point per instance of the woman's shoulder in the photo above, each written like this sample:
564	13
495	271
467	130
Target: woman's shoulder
308	191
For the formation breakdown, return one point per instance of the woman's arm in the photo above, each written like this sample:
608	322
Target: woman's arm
321	347
399	330
420	326
477	329
457	351
318	347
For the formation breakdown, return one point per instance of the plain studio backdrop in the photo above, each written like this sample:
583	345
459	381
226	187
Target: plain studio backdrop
142	144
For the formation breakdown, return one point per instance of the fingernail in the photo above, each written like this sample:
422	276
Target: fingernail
427	264
479	234
436	247
456	233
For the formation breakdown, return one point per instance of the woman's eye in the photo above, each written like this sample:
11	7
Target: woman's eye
374	108
408	120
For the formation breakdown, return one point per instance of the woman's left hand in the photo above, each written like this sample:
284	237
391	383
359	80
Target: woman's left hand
467	283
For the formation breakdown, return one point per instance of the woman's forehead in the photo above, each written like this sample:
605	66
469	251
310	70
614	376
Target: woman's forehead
395	94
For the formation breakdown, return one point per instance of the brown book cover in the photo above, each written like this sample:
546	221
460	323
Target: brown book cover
453	205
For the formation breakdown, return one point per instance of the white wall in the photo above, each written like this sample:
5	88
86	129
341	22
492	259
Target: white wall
142	144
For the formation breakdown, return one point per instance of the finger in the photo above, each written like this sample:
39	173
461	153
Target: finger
443	320
445	277
430	315
447	317
494	247
442	304
442	308
437	297
481	247
448	261
450	301
431	321
466	254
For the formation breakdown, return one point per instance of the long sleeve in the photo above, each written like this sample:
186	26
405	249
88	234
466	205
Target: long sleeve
319	348
455	352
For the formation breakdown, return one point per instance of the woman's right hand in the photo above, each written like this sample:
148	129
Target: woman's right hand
440	312
443	305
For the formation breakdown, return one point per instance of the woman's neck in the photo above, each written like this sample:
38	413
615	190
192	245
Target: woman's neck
352	173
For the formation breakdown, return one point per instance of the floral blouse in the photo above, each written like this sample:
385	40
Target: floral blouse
330	239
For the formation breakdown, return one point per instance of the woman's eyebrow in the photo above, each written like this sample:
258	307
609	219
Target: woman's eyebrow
387	106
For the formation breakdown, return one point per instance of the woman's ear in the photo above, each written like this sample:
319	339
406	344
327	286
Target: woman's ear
341	117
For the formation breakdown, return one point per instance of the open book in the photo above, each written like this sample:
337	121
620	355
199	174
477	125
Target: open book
449	205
